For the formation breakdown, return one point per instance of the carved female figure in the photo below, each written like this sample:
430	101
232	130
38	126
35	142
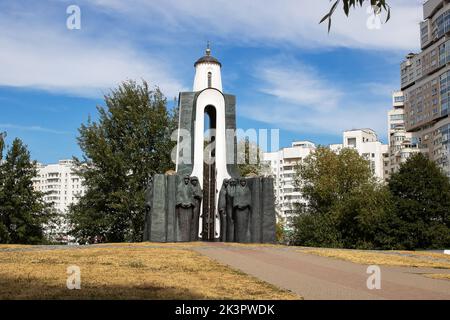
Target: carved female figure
231	190
184	209
222	208
241	212
198	195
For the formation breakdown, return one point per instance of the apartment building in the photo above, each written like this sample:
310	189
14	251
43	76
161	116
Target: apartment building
282	165
367	144
60	183
425	82
61	187
401	143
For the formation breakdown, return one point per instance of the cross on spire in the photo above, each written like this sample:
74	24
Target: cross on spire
208	48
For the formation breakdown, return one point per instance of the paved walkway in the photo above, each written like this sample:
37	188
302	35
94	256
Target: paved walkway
314	277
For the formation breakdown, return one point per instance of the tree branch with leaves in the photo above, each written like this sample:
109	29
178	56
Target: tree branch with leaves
378	7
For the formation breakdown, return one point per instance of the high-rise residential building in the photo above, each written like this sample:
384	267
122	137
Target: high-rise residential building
425	82
366	143
401	144
61	187
282	165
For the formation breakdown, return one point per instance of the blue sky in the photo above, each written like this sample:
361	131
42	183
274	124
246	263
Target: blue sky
285	69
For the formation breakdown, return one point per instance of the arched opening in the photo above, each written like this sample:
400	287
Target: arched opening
209	175
209	80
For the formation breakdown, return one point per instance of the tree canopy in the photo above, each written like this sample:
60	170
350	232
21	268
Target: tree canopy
252	164
342	201
23	212
130	141
421	193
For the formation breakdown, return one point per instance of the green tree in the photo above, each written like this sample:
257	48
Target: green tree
23	213
130	142
252	164
377	5
421	193
344	204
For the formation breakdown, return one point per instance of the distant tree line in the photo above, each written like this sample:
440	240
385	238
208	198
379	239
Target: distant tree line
347	208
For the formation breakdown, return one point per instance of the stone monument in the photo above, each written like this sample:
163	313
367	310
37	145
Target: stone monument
207	199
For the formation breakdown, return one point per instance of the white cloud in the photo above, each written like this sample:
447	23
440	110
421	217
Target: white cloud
43	56
301	85
290	21
306	103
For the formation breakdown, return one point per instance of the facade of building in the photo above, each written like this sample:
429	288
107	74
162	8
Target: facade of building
366	143
282	166
60	183
425	82
401	144
62	188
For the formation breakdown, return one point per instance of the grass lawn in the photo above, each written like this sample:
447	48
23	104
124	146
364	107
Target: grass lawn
126	272
389	258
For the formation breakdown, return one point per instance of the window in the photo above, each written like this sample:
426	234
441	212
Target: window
351	142
399	99
396	117
209	79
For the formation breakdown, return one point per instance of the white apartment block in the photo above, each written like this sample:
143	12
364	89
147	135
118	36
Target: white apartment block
282	165
62	188
60	183
401	143
366	143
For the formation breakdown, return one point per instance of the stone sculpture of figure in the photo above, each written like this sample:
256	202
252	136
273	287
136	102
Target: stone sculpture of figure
184	209
198	195
231	190
222	208
148	208
241	212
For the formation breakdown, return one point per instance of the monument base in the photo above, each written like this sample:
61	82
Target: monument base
163	222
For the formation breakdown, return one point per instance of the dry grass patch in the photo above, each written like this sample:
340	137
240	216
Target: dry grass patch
433	255
131	272
13	246
442	276
379	258
153	244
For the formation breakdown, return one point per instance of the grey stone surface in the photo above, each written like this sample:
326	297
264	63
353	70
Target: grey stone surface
172	213
187	118
158	213
231	191
198	196
222	208
185	209
148	208
170	208
269	217
230	123
241	212
256	216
